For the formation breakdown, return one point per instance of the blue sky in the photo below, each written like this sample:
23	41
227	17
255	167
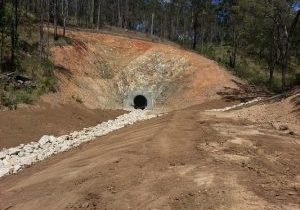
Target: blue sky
216	1
297	6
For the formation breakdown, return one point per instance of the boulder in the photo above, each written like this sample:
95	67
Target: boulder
35	145
21	154
280	126
40	157
6	162
28	149
283	127
44	140
27	161
17	168
4	171
13	151
52	139
3	154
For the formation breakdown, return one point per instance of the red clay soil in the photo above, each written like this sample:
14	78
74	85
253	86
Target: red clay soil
101	68
184	160
30	124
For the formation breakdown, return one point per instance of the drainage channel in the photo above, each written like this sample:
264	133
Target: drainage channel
140	102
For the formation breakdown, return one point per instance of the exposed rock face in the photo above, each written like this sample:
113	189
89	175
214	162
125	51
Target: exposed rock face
14	159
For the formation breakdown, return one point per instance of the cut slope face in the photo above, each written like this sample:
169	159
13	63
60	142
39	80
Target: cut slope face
103	71
280	111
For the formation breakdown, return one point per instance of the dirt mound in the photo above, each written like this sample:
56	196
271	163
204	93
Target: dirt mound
101	70
243	92
282	112
296	102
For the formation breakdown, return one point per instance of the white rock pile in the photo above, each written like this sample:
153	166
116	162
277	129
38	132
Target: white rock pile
235	106
14	159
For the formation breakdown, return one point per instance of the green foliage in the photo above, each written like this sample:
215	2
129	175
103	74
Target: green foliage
250	67
253	37
63	41
5	18
28	61
43	82
46	84
13	96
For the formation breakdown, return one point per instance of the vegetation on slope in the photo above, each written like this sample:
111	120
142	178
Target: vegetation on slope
25	74
254	68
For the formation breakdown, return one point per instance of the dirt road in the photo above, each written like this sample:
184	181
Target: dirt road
184	160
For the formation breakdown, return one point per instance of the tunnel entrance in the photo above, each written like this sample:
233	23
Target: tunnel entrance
140	102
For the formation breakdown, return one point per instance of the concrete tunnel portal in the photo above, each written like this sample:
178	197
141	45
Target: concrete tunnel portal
141	99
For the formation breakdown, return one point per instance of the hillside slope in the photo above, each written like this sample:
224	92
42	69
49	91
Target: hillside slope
101	70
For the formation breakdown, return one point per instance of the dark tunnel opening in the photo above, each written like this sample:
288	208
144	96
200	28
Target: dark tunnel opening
140	102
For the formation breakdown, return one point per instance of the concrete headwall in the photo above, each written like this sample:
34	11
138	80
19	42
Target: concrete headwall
129	98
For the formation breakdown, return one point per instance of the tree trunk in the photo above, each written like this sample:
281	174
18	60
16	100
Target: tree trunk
233	54
202	41
161	28
195	27
35	7
98	15
119	15
48	27
14	35
26	7
283	77
92	9
42	30
126	22
271	76
152	24
2	39
65	15
285	38
165	25
1	50
76	12
177	23
55	19
271	71
271	60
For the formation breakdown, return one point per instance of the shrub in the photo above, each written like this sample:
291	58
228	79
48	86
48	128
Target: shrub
46	84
